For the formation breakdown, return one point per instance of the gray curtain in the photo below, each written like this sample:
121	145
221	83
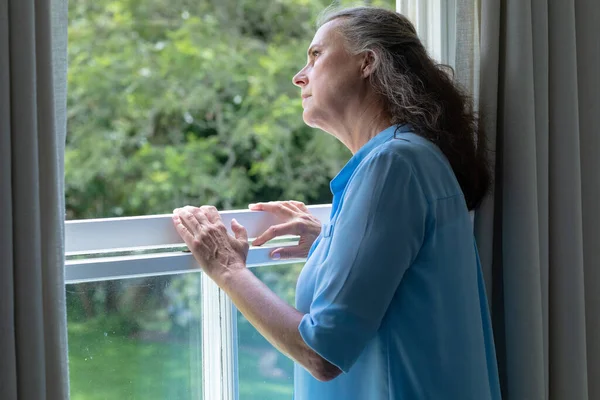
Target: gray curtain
539	232
33	349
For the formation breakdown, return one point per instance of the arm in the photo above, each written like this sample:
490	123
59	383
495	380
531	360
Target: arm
275	320
374	238
223	257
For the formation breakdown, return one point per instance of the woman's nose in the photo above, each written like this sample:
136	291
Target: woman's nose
300	79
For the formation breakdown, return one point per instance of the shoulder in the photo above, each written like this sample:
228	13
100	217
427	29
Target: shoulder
414	150
387	174
383	166
424	161
398	157
388	154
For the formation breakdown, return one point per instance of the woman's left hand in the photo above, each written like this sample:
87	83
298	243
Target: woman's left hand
203	231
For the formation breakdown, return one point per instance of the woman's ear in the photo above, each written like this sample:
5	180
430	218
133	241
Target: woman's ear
369	63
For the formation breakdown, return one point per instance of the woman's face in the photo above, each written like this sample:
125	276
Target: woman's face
331	81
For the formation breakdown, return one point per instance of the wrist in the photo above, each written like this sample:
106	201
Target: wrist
231	276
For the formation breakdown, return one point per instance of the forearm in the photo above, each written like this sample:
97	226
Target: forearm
275	320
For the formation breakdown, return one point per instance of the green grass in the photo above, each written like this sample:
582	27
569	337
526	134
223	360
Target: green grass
110	365
108	360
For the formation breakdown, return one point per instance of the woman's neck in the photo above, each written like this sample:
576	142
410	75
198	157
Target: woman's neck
363	126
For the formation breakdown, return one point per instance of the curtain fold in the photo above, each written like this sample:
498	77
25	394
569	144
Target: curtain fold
32	136
539	231
587	17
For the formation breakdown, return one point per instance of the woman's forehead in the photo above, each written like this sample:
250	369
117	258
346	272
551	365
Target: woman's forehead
327	34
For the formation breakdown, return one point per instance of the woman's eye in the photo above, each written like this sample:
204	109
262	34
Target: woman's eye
315	53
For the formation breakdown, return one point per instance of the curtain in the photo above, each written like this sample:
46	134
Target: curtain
32	134
539	231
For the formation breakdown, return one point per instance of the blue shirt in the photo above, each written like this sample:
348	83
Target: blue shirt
392	290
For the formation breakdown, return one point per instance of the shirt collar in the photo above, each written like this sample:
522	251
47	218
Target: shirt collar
338	184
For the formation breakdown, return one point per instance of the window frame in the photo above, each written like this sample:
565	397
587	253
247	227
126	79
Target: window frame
94	240
435	24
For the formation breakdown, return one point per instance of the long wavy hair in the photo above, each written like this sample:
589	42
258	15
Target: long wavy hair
418	91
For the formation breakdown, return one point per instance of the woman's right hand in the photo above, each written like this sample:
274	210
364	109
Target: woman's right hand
297	220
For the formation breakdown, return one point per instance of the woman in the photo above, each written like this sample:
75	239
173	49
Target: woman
391	302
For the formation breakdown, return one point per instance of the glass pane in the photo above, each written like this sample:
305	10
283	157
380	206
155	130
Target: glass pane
265	373
135	339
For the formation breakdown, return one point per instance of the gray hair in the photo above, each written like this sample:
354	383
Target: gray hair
389	36
417	91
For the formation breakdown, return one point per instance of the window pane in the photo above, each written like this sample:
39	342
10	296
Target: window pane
265	373
135	339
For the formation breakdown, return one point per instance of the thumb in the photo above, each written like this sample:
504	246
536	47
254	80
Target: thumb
284	253
239	231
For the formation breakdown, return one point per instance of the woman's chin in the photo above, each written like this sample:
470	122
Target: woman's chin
309	119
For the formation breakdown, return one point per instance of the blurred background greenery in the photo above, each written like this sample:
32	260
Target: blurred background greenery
172	103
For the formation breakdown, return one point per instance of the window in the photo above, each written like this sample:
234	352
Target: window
435	22
263	372
124	343
171	103
144	322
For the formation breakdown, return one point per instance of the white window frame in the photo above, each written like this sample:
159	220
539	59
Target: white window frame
95	239
435	23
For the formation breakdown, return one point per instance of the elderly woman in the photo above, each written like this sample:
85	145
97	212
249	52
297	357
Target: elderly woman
391	303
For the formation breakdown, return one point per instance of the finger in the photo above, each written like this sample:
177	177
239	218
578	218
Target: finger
256	206
189	208
288	228
190	221
285	253
211	213
183	232
301	206
275	208
239	231
289	205
198	214
212	216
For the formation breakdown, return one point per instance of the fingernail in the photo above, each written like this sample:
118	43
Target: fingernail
251	205
275	256
176	210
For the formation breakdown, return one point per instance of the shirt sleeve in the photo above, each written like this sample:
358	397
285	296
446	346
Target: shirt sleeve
375	238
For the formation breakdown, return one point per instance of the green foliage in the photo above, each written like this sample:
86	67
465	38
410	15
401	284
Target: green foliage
187	102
